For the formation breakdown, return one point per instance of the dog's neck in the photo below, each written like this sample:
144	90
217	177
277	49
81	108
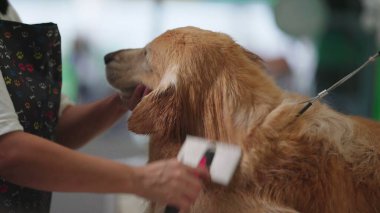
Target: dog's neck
227	110
233	107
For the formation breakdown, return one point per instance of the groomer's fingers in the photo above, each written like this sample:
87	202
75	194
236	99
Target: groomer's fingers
170	182
202	173
183	201
185	205
195	174
189	185
147	91
185	179
136	96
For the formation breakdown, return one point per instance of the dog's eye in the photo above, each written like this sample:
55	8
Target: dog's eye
145	52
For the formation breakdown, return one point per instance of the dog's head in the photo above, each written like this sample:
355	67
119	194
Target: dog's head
179	56
191	71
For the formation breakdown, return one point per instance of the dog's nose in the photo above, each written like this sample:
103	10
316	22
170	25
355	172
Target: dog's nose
108	58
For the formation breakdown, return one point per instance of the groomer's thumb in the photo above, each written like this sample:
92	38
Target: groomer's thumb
203	174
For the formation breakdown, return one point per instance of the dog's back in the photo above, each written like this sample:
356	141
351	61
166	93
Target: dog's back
322	161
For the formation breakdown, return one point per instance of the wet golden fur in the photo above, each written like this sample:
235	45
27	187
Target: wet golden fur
204	84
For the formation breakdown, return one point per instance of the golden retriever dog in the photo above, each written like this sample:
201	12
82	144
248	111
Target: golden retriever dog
205	84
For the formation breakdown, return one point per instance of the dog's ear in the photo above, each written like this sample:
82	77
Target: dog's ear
158	113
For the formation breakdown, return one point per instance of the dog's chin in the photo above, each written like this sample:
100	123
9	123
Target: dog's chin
128	91
135	94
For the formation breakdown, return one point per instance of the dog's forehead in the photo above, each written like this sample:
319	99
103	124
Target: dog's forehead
173	35
191	39
186	35
184	31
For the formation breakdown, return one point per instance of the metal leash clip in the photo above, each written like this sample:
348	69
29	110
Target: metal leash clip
325	92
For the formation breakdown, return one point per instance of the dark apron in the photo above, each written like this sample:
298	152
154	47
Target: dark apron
30	62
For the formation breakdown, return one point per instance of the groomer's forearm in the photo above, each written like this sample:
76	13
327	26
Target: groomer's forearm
79	124
35	162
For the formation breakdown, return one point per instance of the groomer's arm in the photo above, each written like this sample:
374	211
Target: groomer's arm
32	161
79	124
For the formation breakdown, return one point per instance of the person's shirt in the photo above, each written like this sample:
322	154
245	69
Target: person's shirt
10	13
8	116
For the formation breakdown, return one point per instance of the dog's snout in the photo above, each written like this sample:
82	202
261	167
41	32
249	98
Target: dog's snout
108	58
120	54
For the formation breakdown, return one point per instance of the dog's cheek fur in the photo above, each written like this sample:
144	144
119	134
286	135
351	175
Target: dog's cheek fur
159	114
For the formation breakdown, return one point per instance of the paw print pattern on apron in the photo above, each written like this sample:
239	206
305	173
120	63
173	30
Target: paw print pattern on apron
30	62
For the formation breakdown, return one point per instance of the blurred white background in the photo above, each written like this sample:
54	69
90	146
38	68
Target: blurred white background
92	28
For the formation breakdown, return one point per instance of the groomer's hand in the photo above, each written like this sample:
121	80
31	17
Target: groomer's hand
131	101
171	182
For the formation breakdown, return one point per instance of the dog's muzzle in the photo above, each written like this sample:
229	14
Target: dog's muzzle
109	57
